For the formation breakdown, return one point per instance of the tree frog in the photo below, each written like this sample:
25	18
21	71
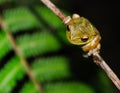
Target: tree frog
81	32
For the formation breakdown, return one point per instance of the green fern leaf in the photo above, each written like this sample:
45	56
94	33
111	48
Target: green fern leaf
5	46
38	43
14	71
20	18
72	87
29	88
52	68
62	87
44	12
5	1
55	23
9	75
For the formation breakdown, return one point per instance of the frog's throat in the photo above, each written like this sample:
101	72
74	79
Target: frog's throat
91	45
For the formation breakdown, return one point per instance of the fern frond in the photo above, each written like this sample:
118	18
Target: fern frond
38	43
9	75
62	87
20	18
45	69
51	68
5	46
52	19
28	88
68	87
5	1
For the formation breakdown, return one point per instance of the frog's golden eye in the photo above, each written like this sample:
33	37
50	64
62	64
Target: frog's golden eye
84	37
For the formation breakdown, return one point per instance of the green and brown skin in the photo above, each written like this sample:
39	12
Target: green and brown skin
81	32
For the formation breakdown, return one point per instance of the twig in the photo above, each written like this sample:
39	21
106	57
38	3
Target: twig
20	55
99	60
96	57
56	11
52	7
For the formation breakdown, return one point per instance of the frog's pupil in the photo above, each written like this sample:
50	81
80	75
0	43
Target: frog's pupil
84	39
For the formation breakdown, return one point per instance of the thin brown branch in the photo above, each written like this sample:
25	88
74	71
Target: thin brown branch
53	8
56	11
20	55
96	57
99	60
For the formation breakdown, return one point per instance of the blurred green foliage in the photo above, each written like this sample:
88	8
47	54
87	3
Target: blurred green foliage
41	37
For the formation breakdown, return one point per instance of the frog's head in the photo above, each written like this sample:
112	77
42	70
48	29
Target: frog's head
81	32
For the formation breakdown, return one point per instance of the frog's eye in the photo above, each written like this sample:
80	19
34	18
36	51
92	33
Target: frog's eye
68	29
84	38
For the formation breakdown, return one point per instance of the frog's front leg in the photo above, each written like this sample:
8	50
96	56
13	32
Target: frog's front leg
92	52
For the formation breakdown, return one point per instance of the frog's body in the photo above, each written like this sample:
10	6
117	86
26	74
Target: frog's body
82	32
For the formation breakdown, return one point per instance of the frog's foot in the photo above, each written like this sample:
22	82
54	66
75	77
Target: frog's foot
93	52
